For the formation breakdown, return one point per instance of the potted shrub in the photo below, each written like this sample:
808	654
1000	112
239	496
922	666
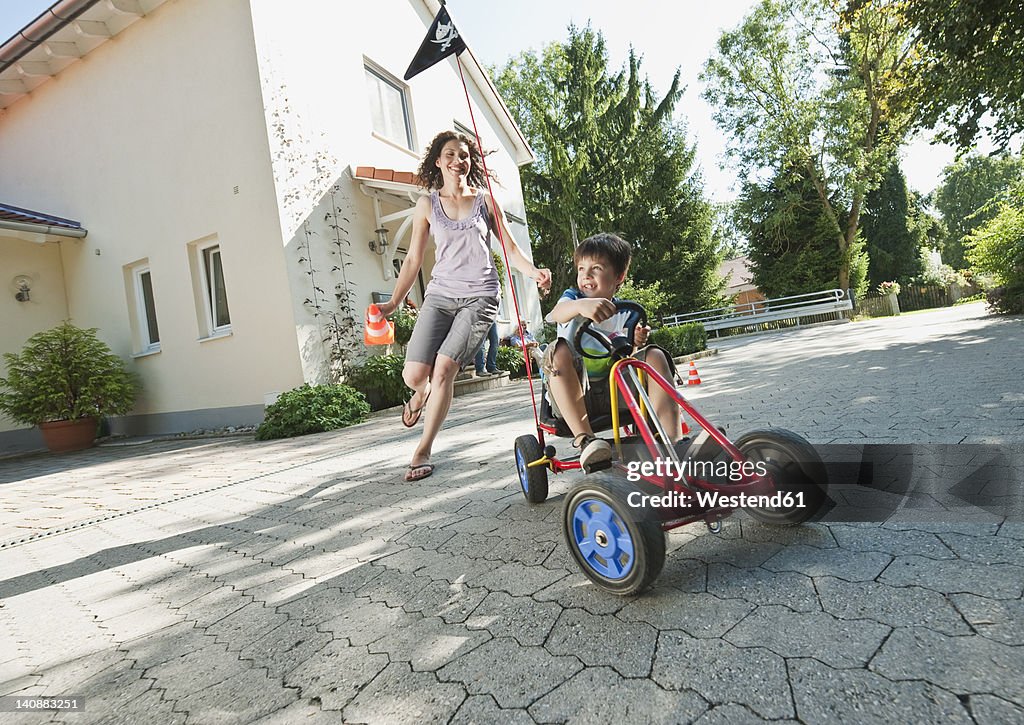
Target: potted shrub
64	380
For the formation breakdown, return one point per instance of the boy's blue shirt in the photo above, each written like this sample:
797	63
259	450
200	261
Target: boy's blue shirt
614	326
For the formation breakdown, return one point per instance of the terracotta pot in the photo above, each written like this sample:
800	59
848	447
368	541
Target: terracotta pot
63	436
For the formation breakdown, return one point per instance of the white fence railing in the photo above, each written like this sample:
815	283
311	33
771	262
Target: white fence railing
795	307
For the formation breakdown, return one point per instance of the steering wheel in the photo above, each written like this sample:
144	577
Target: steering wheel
618	347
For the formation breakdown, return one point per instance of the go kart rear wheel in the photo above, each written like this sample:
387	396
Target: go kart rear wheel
534	480
796	469
620	548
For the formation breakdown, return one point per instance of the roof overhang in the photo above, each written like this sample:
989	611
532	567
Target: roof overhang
34	226
67	31
523	154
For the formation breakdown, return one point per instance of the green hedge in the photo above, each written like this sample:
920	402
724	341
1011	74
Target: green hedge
380	380
511	359
313	409
681	339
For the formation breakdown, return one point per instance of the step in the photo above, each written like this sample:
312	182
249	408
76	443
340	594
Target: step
467	383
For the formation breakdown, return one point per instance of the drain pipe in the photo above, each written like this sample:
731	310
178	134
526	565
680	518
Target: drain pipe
57	16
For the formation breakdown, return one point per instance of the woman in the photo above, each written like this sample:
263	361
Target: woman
461	300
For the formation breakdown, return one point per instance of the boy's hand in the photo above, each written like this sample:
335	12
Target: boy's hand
597	309
640	335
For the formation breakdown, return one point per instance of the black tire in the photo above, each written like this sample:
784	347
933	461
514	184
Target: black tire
796	468
597	511
534	480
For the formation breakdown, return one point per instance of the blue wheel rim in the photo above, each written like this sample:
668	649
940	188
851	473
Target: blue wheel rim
603	539
524	478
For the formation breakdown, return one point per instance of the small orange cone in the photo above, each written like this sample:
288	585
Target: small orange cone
686	428
694	377
379	331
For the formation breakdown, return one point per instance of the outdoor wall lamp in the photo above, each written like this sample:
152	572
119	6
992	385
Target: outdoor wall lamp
23	285
380	244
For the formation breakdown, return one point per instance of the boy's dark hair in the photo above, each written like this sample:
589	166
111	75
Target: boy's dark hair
610	247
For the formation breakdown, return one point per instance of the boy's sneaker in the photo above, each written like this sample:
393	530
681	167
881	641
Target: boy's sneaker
595	453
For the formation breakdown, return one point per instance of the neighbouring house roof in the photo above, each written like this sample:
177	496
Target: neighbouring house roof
65	32
25	220
737	274
398	177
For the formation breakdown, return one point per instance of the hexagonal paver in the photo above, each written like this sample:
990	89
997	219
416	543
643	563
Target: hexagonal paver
428	644
722	672
965	665
700	615
840	563
825	695
895	606
626	646
599	694
996	619
760	586
525	620
515	676
399	695
335	674
836	642
999	581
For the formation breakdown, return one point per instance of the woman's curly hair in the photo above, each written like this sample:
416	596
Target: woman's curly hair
429	175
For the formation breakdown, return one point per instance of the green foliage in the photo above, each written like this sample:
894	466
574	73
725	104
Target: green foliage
681	339
511	359
649	296
404	319
65	373
973	298
968	197
312	409
891	237
997	249
969	55
791	242
380	380
610	158
799	90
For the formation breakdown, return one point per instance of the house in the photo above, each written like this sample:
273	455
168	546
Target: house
190	178
739	283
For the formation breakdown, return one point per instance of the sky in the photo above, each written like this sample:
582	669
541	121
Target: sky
680	34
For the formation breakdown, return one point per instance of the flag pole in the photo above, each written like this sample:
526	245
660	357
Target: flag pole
501	238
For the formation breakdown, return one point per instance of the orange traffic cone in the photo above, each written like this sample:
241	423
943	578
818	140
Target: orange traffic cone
686	428
694	377
379	331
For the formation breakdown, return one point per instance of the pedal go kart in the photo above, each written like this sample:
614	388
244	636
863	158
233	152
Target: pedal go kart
615	521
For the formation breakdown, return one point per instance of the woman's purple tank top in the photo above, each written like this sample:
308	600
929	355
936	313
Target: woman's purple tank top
464	266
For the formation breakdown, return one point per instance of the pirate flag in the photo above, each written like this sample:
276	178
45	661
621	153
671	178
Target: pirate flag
442	40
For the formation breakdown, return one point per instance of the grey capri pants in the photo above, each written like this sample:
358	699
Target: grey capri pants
453	327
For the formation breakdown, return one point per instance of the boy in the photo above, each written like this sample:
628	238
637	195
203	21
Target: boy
602	262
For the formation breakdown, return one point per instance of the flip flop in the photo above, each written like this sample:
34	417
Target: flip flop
427	467
411	417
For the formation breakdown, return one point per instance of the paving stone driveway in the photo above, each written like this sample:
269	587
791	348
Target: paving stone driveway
301	581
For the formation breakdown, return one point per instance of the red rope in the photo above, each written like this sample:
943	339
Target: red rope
504	250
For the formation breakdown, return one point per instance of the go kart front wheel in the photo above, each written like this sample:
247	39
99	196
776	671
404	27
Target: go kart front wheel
533	479
620	548
795	467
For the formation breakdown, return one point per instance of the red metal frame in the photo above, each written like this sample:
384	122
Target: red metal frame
750	484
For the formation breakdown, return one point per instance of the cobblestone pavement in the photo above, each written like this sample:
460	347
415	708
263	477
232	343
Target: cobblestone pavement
301	581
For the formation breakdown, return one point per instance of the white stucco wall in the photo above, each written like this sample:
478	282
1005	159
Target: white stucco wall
144	141
312	57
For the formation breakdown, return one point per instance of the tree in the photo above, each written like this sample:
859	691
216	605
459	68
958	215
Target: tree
971	55
966	197
610	157
790	238
800	86
891	234
997	248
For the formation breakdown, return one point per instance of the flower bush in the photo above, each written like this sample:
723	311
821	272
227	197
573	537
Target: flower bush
380	380
889	288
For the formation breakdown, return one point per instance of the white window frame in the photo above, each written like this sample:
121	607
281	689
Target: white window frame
142	327
371	68
207	287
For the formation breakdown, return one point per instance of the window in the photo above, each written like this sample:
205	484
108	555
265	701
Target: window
216	297
389	107
142	308
213	317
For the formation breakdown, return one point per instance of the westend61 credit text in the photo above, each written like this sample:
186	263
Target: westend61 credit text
678	470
